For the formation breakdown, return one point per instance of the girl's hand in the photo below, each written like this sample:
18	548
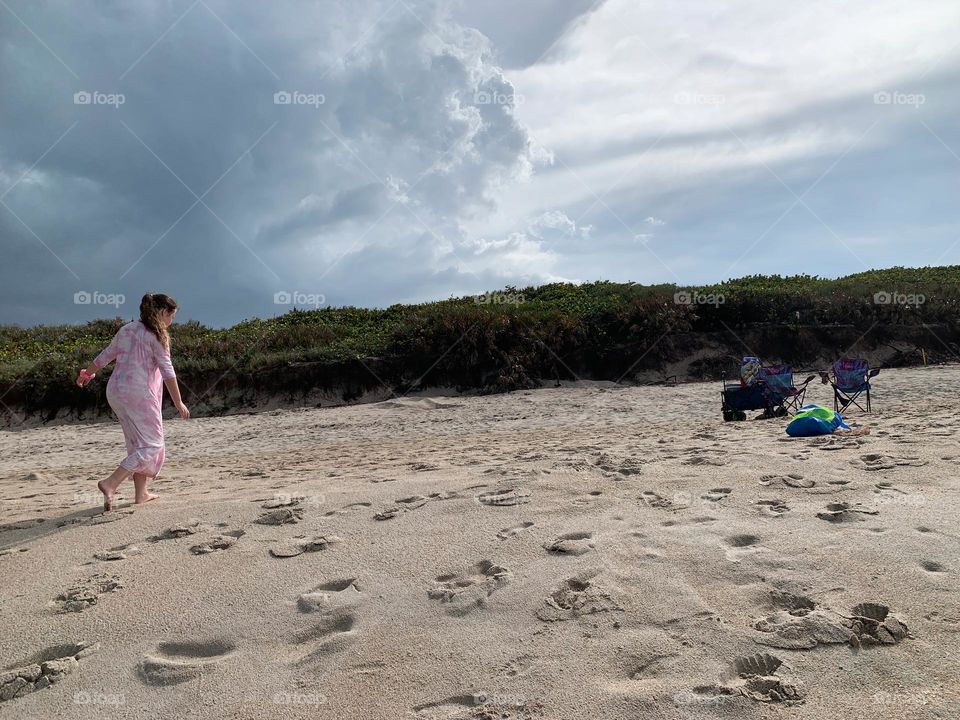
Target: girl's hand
84	377
184	411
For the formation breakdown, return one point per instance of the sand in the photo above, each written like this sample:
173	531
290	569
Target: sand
591	551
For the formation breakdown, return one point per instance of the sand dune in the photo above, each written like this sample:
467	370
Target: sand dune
584	552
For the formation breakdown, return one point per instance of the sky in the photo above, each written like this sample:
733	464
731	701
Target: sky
248	157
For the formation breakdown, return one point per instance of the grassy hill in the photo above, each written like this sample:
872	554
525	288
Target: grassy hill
506	340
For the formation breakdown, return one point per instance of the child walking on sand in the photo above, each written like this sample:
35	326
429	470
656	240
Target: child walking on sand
135	392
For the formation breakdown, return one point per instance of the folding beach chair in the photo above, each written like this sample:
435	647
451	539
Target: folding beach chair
851	378
783	393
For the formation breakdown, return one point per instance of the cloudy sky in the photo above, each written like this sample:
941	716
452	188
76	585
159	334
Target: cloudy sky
370	152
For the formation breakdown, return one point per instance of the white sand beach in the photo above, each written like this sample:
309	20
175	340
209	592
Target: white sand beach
594	551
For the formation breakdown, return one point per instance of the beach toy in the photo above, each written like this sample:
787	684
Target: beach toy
815	420
750	370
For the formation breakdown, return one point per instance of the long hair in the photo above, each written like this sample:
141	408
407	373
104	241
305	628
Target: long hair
150	309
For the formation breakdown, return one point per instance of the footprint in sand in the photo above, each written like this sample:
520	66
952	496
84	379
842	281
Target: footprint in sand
87	594
716	494
101	518
651	664
795	603
190	527
804	628
412	503
512	532
574	543
43	669
742	541
949	619
575	597
757	680
622	467
300	545
118	552
877	461
348	508
502	706
221	542
469	589
873	623
280	501
334	604
773	507
653	499
403	505
839	443
23	525
177	662
795	480
845	512
334	632
504	497
740	546
330	595
281	516
704	460
589	499
520	666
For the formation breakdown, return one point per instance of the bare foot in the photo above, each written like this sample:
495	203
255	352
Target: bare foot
140	499
107	497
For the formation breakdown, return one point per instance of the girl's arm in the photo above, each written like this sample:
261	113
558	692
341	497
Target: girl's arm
107	356
174	389
162	356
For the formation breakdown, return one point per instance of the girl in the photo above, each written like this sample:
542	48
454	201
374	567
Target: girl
134	391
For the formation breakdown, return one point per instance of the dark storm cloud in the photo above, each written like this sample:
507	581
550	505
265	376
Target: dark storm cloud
203	181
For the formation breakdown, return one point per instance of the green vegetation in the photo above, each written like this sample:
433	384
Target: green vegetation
500	341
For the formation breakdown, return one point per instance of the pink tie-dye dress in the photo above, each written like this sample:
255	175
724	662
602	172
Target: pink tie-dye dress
135	391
